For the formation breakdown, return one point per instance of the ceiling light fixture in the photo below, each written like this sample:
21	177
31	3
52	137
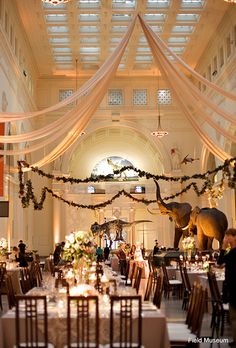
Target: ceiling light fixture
55	2
231	1
159	133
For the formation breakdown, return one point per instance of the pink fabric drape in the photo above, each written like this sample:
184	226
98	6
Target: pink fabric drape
199	110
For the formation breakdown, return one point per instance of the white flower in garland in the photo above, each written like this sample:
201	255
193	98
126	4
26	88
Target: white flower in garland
79	245
188	243
3	246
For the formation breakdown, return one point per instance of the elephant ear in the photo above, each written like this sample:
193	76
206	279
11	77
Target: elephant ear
184	209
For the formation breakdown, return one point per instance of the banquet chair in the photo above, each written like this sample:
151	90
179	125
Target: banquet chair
170	285
2	281
31	320
220	310
149	287
25	280
36	274
180	334
158	290
10	291
186	286
125	322
129	280
138	278
82	322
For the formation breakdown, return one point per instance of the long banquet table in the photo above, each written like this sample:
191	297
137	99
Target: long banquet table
154	335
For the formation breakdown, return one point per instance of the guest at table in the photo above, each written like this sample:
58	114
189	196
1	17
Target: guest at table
122	258
228	258
132	252
99	254
15	254
106	252
58	252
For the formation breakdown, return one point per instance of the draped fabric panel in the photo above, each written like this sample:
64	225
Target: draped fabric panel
66	130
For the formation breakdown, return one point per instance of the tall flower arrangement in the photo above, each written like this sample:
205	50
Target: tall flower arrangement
188	243
80	245
3	246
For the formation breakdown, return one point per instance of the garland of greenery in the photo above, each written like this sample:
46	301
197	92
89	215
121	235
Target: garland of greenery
26	192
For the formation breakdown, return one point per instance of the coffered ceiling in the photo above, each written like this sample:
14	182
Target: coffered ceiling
77	37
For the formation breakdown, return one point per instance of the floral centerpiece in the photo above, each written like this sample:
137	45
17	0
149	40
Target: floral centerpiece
3	247
80	249
188	244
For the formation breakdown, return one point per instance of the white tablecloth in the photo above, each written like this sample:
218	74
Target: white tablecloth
155	334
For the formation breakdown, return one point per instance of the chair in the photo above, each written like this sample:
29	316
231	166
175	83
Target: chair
220	310
129	280
10	291
2	281
158	290
25	280
82	327
171	285
125	322
186	286
31	322
183	334
36	274
138	278
149	286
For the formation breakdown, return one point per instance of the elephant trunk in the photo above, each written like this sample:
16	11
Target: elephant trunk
162	205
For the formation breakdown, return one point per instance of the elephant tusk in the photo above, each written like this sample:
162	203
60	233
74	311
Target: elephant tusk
151	212
185	228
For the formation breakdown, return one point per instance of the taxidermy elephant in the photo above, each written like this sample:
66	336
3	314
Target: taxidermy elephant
211	223
208	223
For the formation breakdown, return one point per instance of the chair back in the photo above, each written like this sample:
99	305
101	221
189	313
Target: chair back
25	280
31	321
158	290
148	290
133	273
138	278
10	291
82	321
126	321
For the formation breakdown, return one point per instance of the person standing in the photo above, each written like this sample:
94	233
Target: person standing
156	248
122	259
22	257
228	258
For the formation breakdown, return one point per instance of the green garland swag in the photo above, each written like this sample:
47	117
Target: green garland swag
26	192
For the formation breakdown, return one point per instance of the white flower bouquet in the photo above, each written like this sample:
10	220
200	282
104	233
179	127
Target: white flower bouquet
79	245
3	246
188	243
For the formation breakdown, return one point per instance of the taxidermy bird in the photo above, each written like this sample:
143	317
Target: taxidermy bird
187	160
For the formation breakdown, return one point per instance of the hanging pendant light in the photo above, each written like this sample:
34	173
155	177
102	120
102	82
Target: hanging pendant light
55	2
231	1
159	133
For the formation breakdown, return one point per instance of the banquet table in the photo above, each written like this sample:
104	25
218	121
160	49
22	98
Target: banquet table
14	273
154	333
192	274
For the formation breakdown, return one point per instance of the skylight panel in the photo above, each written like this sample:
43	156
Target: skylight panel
119	28
57	17
48	6
123	4
116	39
159	17
86	4
143	49
61	50
58	29
89	40
89	29
59	40
143	58
188	29
89	59
63	58
91	50
155	4
156	28
178	40
187	17
89	17
177	49
117	17
192	4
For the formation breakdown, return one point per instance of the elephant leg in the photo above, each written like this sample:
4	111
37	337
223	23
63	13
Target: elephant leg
202	239
178	235
209	243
